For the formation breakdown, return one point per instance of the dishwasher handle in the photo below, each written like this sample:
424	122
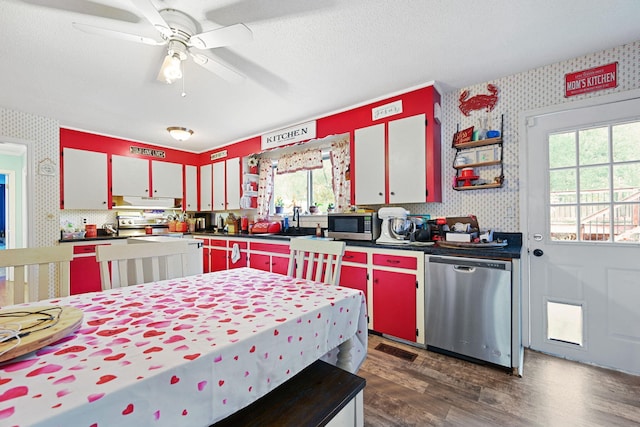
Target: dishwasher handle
464	269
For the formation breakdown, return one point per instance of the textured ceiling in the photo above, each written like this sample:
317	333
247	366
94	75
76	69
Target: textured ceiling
307	58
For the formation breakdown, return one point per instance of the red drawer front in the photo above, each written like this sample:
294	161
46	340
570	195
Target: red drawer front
350	256
395	261
84	249
241	245
269	247
205	242
219	243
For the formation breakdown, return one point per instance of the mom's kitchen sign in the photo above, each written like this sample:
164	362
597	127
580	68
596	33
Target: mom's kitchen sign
591	80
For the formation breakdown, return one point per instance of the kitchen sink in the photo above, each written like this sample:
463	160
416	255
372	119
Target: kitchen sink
292	232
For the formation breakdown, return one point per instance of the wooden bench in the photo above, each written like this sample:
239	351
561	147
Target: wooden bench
320	395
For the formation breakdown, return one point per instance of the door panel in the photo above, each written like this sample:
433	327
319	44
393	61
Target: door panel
583	227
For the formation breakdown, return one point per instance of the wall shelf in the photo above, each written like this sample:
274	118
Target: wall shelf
478	187
490	157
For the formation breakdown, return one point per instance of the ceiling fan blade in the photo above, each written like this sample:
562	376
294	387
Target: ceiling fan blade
218	68
117	34
152	15
225	36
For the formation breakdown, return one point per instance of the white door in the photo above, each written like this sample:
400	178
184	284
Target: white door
167	179
205	188
407	160
219	187
129	176
191	188
233	183
369	161
85	179
583	210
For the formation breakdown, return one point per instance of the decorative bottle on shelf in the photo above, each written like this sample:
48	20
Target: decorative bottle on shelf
484	126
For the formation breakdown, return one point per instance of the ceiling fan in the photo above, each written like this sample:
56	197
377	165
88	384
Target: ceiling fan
179	34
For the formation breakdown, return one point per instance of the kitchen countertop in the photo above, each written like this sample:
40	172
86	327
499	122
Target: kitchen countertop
511	251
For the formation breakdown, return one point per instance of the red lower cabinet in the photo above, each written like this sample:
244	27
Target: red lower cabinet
261	262
241	247
85	270
394	304
279	264
354	278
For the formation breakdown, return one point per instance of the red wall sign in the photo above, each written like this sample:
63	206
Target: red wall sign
591	80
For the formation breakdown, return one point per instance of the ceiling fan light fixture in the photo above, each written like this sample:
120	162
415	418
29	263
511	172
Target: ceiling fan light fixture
179	133
171	69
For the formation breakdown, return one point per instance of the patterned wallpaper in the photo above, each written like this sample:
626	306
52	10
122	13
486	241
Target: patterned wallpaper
541	87
43	135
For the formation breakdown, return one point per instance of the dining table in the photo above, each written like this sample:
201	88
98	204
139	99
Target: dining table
182	352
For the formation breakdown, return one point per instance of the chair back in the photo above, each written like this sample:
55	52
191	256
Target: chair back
56	257
140	262
316	259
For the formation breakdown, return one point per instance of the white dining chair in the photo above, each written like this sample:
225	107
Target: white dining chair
140	263
57	258
316	259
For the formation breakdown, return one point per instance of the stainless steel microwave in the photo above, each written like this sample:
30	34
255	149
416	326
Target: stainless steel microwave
354	226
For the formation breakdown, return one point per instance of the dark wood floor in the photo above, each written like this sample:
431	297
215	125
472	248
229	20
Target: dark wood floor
444	391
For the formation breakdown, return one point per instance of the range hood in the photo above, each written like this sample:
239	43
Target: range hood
132	202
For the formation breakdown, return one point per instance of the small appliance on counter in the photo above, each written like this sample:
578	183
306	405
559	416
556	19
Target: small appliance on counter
396	227
353	226
266	227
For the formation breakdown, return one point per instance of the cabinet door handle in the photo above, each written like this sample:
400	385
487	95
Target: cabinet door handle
393	261
380	194
393	193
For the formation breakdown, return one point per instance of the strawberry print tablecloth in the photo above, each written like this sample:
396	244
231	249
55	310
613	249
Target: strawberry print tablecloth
181	352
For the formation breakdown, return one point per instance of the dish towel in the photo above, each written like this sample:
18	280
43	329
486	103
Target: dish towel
235	253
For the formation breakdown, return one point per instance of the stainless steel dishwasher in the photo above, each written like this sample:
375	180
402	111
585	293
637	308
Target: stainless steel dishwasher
468	307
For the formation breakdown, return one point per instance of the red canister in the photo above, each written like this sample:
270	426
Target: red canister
90	230
148	229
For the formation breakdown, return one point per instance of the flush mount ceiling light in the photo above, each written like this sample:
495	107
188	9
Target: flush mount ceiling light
179	133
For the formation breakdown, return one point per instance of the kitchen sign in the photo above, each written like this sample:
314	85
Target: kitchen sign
591	80
219	155
147	152
301	132
386	110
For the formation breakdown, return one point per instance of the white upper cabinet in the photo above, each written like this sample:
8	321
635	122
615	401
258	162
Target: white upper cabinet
369	165
205	188
166	179
85	179
191	188
233	183
226	185
397	173
129	176
407	162
219	202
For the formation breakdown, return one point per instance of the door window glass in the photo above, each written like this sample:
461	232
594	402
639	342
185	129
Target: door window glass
594	184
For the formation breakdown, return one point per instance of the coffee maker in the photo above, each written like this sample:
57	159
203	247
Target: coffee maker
205	221
396	227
